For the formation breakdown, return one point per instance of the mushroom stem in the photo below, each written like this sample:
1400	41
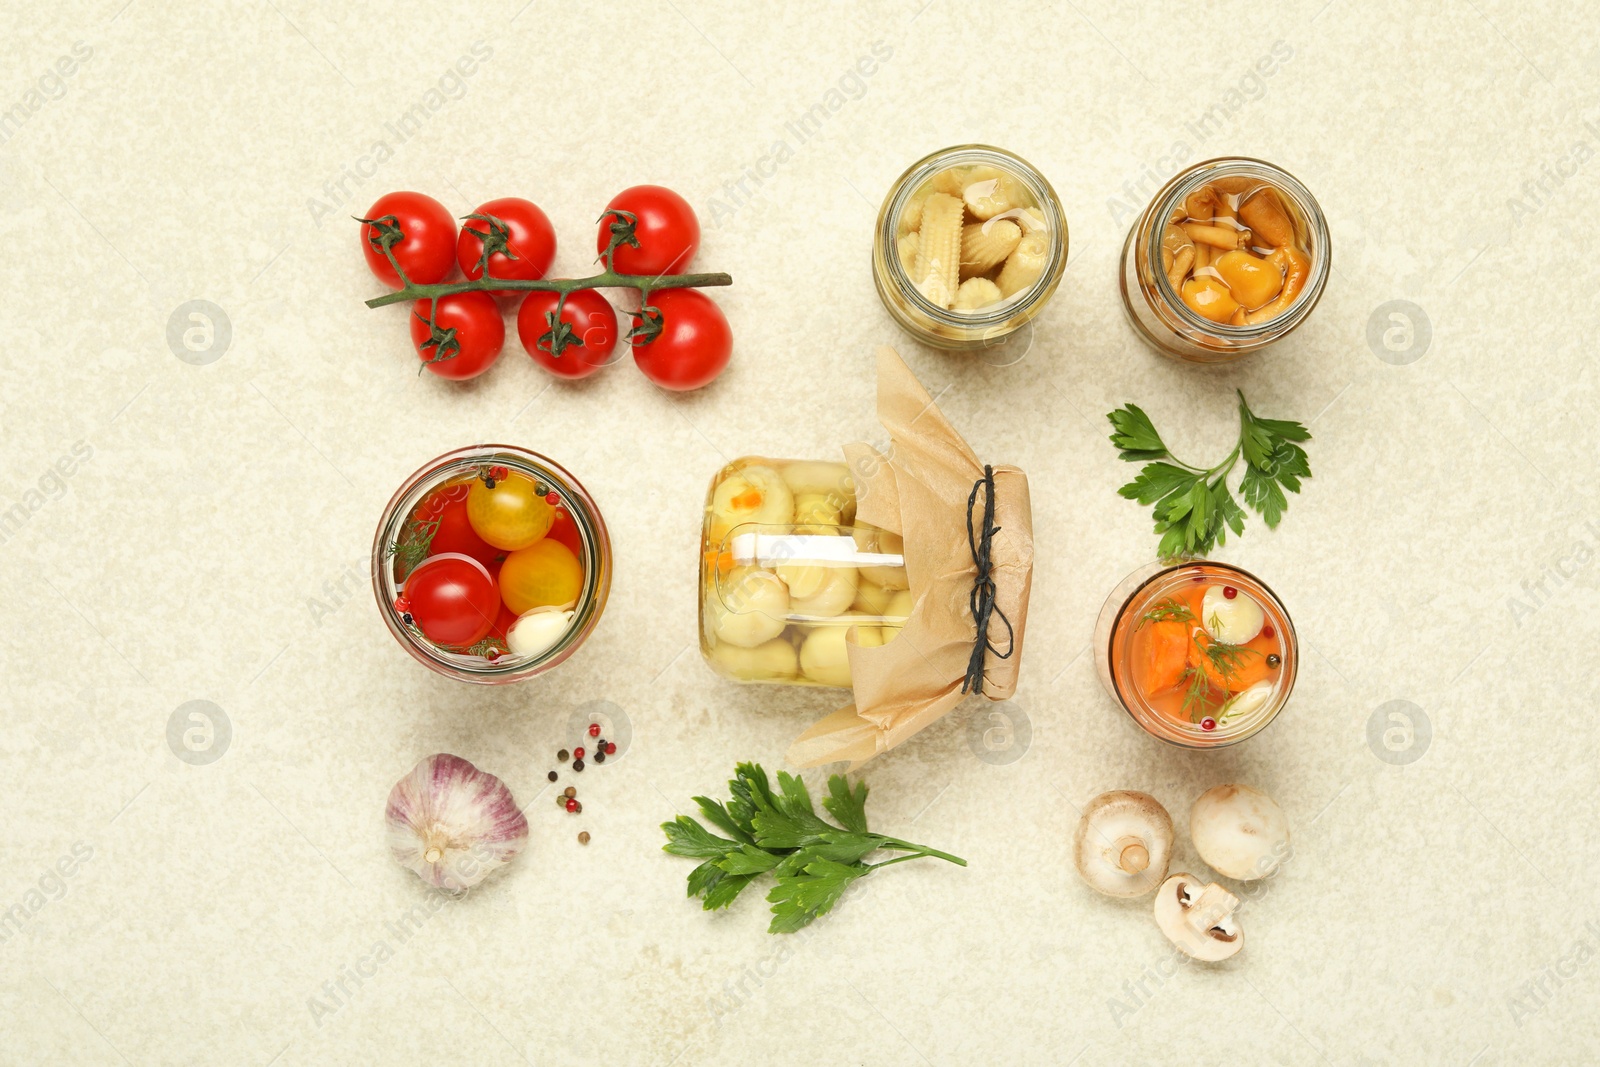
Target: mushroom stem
1213	905
1132	856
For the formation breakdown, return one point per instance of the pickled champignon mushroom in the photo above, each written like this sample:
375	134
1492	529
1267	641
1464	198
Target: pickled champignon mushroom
1241	832
1199	918
1123	842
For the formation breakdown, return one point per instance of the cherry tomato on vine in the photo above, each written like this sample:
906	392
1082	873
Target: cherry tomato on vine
590	327
453	599
426	246
525	233
694	344
465	335
667	231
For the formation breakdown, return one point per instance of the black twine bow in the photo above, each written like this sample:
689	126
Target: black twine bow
982	599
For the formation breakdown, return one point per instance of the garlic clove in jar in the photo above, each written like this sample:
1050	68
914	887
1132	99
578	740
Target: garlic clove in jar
453	824
1231	620
538	631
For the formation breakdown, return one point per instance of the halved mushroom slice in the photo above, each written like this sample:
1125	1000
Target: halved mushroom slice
1123	842
1198	918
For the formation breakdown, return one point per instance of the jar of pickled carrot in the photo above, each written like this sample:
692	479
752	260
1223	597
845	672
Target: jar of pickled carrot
787	576
1230	256
970	244
1201	654
491	564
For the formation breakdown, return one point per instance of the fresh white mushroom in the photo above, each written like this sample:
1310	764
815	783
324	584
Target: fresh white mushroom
752	609
1123	842
774	661
1198	918
1241	832
1232	620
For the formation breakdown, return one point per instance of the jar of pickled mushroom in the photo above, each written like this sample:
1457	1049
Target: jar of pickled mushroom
1230	256
970	244
1201	654
491	564
786	574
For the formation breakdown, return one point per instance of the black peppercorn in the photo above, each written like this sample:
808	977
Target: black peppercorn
600	757
577	765
1273	661
552	776
561	755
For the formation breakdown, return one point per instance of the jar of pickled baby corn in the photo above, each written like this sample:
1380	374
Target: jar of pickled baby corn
1230	256
1200	654
491	564
970	244
787	577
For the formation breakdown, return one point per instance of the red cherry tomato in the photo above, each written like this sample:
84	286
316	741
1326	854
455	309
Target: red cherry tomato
693	346
503	622
593	326
565	532
527	235
426	250
454	533
667	231
466	335
453	599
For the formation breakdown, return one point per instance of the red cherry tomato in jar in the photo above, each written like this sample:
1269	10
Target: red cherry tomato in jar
522	247
591	328
465	335
454	533
426	248
694	344
453	599
666	229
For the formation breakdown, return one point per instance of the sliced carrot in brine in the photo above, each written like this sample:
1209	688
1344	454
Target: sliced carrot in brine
1166	646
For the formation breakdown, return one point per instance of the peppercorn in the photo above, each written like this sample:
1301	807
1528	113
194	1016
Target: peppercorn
583	837
570	791
1229	591
594	729
561	755
577	765
1268	632
571	805
600	757
577	807
552	776
1273	661
577	753
1208	723
561	801
611	748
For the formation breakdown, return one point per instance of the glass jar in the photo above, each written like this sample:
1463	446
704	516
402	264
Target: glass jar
1288	248
549	568
1201	654
1007	235
786	576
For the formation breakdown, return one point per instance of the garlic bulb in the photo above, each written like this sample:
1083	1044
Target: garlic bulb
453	824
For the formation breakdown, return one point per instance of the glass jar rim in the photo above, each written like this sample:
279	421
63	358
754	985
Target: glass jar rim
1005	311
1224	166
585	515
1197	738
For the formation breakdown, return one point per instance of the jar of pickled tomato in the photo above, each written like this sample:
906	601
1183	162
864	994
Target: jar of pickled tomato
1230	256
970	244
491	564
1200	654
787	577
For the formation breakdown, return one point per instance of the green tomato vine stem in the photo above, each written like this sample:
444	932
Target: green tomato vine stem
604	280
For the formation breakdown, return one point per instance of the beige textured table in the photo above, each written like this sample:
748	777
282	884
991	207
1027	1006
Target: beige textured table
195	525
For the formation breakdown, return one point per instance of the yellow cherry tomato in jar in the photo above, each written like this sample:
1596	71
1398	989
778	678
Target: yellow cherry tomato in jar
512	514
543	575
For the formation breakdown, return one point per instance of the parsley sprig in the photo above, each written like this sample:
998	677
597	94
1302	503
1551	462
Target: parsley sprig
814	861
1194	508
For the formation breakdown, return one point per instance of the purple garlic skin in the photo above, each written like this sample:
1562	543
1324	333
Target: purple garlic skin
452	823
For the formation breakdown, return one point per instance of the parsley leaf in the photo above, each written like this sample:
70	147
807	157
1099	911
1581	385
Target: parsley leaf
813	860
1194	509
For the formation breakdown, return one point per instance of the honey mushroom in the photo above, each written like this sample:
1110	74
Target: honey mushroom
1223	280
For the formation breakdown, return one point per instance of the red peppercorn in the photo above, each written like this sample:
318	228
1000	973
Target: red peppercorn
1229	591
551	498
402	605
1208	724
611	748
1198	578
1268	632
594	729
577	753
571	805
